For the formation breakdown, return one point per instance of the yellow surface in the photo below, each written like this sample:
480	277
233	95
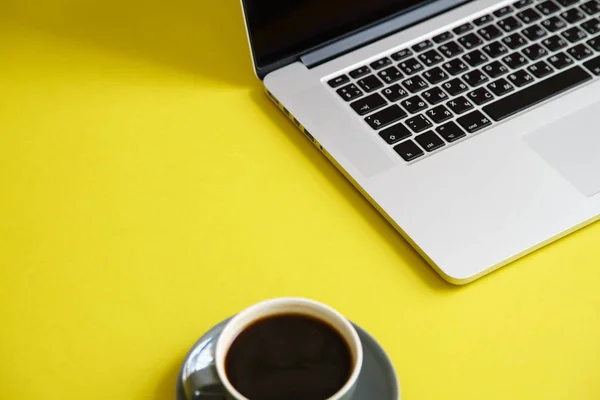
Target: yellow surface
148	189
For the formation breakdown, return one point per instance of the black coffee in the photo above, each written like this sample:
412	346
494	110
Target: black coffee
288	357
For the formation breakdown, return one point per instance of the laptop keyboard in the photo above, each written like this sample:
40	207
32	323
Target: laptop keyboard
443	89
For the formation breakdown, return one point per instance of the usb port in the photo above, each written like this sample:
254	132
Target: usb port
308	135
272	97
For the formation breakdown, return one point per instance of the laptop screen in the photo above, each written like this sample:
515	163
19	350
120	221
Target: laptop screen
282	28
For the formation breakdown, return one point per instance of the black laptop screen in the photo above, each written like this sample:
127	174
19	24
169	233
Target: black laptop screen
282	28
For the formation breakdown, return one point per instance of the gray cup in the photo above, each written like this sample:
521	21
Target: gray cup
211	382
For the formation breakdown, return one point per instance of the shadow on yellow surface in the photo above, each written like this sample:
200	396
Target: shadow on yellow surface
193	36
203	38
352	195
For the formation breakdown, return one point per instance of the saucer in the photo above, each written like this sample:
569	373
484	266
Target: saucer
377	379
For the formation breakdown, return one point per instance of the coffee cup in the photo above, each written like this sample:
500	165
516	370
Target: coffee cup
285	348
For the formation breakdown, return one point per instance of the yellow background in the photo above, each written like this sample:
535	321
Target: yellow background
148	189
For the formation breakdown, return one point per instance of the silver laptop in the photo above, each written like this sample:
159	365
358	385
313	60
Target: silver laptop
472	126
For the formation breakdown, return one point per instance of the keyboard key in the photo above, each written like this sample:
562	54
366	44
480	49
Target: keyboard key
394	92
520	78
495	49
368	104
580	52
474	78
338	81
414	104
593	65
592	26
464	28
434	95
514	41
430	141
435	75
500	87
475	58
490	32
474	121
484	19
349	92
470	40
480	96
547	7
535	52
439	114
455	67
528	16
459	105
395	133
384	62
522	3
560	60
418	123
391	74
385	117
424	45
567	3
415	84
408	150
515	60
534	32
401	55
573	15
574	34
431	58
442	37
410	66
358	72
554	24
540	69
370	83
450	49
537	93
454	87
501	12
450	132
495	69
509	24
594	43
554	43
591	7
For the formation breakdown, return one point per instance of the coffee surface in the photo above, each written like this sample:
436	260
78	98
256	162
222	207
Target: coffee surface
288	357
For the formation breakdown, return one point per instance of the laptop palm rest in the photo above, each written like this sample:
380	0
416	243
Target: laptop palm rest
572	146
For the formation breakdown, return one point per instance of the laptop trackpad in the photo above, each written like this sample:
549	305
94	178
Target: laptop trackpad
572	146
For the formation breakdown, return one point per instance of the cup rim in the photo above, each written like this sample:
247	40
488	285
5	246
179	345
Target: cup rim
221	350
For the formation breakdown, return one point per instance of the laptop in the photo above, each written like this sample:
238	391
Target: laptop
472	126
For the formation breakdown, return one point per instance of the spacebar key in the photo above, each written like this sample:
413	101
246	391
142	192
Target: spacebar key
537	93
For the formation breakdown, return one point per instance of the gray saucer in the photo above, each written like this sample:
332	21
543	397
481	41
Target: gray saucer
377	380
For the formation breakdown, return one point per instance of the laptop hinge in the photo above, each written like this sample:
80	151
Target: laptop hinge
373	33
